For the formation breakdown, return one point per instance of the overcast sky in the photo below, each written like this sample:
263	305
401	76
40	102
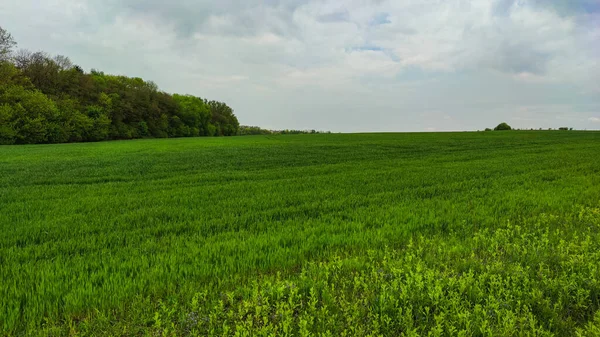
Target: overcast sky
347	66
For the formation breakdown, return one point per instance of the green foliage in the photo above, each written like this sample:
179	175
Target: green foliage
330	234
540	280
8	132
7	43
255	130
211	130
223	119
245	130
502	127
95	106
194	114
32	115
143	129
10	75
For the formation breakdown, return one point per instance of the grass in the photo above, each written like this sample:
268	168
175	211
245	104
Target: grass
385	234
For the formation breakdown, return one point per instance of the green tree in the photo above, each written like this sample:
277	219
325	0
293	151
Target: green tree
245	130
41	69
222	117
8	133
74	122
46	99
194	114
7	43
35	117
502	127
9	74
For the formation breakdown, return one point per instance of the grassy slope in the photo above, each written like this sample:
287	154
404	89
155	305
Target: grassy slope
104	225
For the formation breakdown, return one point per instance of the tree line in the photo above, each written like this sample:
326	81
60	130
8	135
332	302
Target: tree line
505	127
246	130
45	99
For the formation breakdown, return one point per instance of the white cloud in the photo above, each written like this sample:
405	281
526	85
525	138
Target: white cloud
594	119
328	64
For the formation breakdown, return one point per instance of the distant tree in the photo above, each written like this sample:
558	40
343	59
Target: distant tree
8	130
7	43
564	128
63	62
255	130
194	114
9	74
21	58
245	130
32	115
502	127
222	118
488	129
41	69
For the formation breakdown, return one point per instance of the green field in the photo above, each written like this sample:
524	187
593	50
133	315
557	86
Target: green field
446	234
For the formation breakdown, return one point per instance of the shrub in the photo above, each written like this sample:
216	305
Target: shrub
502	127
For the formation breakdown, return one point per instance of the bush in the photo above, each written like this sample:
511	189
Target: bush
7	128
502	127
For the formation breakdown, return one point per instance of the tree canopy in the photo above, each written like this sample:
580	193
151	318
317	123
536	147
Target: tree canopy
45	99
7	43
502	127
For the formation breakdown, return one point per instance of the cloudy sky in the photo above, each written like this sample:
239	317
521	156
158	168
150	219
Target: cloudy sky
344	66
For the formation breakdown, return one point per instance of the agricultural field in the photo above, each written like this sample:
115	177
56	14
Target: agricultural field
441	234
